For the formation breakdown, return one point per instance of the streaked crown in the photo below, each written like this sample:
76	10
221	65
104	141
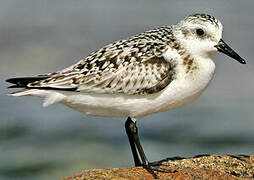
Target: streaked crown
204	18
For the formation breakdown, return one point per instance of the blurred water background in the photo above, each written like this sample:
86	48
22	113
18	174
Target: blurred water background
43	36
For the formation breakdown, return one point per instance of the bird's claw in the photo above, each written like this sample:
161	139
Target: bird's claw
152	169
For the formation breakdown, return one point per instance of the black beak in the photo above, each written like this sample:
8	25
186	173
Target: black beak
224	48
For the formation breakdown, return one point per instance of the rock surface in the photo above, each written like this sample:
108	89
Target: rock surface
221	167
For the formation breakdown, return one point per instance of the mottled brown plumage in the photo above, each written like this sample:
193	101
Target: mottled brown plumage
131	66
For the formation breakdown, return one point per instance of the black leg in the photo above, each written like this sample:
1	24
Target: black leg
132	133
129	129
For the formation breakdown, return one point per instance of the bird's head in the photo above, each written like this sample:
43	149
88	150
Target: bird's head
202	35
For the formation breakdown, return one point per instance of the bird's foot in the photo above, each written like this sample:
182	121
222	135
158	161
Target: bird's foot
152	169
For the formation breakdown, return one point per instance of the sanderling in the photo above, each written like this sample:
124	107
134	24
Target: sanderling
155	71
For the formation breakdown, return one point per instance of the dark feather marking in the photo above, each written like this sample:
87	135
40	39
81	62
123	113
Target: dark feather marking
54	88
161	85
22	82
81	66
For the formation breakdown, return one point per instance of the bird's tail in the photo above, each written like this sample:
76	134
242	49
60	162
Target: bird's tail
22	82
51	97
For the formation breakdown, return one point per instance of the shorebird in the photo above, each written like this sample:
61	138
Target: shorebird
154	71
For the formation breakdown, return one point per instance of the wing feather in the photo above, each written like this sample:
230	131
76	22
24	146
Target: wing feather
132	66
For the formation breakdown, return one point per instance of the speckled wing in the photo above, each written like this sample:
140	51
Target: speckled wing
132	66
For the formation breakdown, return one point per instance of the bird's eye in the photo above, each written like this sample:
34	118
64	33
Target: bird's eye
200	32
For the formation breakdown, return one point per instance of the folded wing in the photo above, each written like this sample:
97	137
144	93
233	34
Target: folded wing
133	66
